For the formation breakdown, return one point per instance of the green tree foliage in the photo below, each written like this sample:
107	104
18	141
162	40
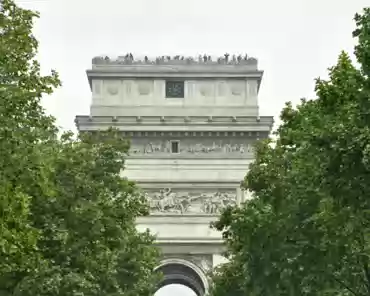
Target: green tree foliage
67	218
307	231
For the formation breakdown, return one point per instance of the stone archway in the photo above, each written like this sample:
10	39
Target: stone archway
179	271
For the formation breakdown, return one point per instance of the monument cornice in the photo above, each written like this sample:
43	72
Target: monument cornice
184	124
195	184
190	240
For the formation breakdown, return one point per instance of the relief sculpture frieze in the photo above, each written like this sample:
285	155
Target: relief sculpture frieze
167	201
199	148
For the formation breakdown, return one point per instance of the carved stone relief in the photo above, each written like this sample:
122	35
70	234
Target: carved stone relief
112	88
167	201
205	89
144	87
237	89
165	147
203	261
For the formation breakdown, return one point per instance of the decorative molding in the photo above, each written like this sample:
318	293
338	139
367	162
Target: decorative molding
203	261
179	120
159	135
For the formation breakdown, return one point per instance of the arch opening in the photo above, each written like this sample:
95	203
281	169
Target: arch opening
175	289
181	274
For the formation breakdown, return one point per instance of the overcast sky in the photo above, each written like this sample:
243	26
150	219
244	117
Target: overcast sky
294	41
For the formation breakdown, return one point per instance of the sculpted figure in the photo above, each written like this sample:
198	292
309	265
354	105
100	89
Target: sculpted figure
166	200
153	202
226	57
227	148
206	206
97	60
167	147
252	61
249	148
156	147
182	204
149	148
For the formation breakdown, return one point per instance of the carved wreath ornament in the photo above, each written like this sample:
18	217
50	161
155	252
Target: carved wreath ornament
112	89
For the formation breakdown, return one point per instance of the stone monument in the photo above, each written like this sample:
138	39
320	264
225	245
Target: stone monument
192	122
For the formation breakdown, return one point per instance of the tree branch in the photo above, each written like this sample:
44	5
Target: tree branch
345	286
367	274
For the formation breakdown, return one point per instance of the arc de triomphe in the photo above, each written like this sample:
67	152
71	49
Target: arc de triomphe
192	123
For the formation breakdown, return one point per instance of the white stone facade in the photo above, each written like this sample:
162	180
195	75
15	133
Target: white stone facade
189	153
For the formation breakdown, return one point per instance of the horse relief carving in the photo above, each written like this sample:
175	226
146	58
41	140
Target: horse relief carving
215	203
168	202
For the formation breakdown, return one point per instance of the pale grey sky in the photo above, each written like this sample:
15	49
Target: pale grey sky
294	41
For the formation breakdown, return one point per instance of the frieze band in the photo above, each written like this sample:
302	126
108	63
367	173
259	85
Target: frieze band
167	201
165	147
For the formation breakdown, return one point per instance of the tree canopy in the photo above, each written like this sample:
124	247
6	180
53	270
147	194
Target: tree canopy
67	217
307	229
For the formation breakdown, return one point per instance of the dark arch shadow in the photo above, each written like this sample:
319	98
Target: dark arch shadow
175	273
